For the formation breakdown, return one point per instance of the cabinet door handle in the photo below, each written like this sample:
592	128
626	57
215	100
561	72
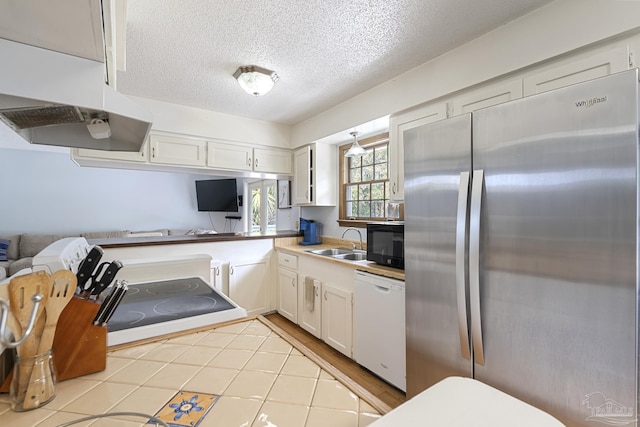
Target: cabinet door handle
249	162
293	282
325	295
217	271
231	270
256	162
153	152
393	189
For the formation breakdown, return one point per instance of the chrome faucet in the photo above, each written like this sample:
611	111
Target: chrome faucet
359	234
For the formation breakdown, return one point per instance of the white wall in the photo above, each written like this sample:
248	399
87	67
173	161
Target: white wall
45	192
197	122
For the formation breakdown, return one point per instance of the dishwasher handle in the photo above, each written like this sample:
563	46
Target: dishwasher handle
383	289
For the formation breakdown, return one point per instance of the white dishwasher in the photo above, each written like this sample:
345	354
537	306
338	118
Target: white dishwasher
380	327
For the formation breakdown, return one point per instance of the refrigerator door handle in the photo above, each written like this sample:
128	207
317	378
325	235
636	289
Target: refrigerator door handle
474	265
461	271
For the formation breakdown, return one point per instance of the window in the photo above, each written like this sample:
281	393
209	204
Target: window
364	184
262	210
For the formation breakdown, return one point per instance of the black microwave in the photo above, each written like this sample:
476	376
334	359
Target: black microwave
385	243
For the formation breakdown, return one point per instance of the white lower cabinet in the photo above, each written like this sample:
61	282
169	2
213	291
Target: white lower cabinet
249	285
325	291
288	291
337	318
310	304
288	286
220	276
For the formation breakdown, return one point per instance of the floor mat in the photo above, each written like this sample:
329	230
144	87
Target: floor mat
186	409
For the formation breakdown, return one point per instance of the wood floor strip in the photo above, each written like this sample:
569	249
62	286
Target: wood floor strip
356	388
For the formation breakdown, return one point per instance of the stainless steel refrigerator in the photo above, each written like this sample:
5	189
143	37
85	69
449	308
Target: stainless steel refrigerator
521	245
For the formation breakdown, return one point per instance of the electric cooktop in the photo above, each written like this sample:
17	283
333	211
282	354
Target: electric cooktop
165	301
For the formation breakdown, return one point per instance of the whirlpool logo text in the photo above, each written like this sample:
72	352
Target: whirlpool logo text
586	103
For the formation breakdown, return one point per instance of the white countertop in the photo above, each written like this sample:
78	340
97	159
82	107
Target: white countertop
464	402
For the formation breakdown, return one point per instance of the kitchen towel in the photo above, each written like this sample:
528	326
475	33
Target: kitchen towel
309	295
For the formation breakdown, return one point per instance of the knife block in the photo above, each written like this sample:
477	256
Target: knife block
79	347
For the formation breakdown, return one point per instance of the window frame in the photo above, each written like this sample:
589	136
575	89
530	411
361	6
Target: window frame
366	143
263	186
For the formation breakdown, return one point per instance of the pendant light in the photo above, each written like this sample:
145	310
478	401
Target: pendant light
255	80
356	150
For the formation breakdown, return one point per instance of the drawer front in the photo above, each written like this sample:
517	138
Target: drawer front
287	261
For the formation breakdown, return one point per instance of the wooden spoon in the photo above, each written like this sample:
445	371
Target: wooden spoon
21	289
12	323
63	287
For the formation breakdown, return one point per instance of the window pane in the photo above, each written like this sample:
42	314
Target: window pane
271	207
365	192
352	192
367	173
364	209
380	172
350	211
354	162
377	209
356	175
377	191
367	159
255	209
381	154
387	193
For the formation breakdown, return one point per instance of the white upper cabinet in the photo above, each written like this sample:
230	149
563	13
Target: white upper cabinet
270	160
398	123
314	175
302	176
576	70
171	150
486	96
85	156
223	155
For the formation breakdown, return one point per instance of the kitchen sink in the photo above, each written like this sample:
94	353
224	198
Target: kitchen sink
354	256
341	253
331	252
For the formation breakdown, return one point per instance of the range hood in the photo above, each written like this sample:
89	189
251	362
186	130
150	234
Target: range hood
51	98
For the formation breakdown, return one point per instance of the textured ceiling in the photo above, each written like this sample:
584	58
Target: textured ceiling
325	51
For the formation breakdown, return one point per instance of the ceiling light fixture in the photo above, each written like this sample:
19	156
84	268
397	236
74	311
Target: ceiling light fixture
255	80
356	150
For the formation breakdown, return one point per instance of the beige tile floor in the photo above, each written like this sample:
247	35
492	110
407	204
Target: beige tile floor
262	380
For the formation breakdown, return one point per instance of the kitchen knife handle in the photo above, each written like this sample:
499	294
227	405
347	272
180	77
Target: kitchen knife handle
87	267
474	265
461	267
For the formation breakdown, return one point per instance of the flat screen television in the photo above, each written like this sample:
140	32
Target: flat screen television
217	195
